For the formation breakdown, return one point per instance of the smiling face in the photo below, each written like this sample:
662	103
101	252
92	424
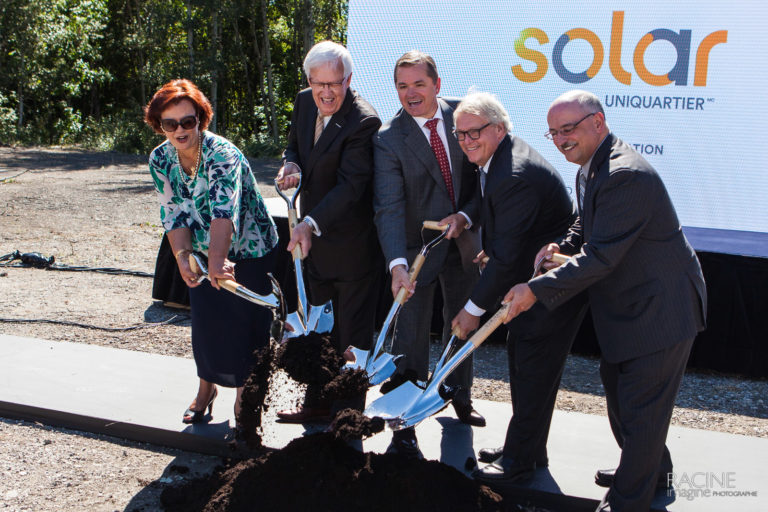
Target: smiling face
417	90
579	145
183	140
479	151
329	87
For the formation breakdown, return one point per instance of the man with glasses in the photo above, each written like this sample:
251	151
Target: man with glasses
421	174
644	285
524	203
329	146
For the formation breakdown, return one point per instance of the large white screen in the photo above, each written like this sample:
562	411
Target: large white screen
706	140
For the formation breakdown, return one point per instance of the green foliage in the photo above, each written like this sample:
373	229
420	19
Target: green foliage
80	71
8	119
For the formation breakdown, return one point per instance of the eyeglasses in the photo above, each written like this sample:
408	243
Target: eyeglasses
473	134
566	129
170	125
322	85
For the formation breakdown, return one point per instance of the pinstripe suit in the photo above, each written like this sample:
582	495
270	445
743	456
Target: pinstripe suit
408	189
648	300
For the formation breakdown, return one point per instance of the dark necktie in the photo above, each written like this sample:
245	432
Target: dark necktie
483	176
442	157
582	185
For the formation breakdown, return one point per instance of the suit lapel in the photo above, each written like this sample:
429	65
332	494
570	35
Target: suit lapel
307	132
499	162
414	138
332	129
594	179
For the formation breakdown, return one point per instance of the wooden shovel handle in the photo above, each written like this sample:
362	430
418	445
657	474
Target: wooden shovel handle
488	327
434	224
418	262
293	221
227	284
193	265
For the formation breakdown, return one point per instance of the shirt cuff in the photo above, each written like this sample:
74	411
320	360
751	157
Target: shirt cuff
315	229
398	261
472	309
469	221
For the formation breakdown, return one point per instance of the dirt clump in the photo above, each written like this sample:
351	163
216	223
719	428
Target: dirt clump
350	424
254	399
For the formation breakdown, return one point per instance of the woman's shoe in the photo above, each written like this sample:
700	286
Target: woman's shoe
192	416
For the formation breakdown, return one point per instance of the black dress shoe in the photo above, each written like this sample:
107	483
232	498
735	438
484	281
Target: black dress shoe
468	415
504	471
489	455
605	477
404	443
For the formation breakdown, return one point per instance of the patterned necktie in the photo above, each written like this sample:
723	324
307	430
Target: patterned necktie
442	157
582	184
319	125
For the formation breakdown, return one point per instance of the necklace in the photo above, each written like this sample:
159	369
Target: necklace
193	171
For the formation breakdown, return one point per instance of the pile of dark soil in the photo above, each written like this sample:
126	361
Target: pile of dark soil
323	472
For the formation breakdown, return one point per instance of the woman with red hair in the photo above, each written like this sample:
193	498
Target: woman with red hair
210	203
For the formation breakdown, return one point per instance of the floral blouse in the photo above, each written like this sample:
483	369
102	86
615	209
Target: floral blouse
224	188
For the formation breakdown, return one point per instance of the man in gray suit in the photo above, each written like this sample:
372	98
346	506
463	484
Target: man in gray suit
644	285
421	174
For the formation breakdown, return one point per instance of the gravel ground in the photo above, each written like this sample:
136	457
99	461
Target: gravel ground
98	209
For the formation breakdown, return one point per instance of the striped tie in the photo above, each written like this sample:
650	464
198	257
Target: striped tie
319	125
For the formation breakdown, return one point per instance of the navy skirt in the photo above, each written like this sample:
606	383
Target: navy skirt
227	329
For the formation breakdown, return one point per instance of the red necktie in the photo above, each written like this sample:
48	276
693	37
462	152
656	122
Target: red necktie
442	157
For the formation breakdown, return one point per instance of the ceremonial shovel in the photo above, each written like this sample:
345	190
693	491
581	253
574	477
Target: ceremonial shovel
307	318
408	404
380	365
273	301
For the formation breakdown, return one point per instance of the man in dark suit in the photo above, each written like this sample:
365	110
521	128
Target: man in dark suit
421	174
330	146
645	289
524	203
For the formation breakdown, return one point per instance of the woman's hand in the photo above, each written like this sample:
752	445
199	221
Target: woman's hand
220	268
182	260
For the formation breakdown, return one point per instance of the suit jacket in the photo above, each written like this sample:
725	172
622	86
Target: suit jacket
644	282
525	205
336	189
409	189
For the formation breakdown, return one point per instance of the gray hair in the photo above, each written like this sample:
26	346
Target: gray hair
485	105
328	52
585	99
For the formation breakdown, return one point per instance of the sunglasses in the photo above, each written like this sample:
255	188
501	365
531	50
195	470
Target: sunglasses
170	125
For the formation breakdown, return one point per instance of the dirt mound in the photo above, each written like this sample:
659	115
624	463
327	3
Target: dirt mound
321	472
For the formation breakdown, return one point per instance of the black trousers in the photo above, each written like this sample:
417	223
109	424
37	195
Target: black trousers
640	395
538	342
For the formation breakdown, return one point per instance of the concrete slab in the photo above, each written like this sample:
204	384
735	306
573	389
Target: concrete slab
142	396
